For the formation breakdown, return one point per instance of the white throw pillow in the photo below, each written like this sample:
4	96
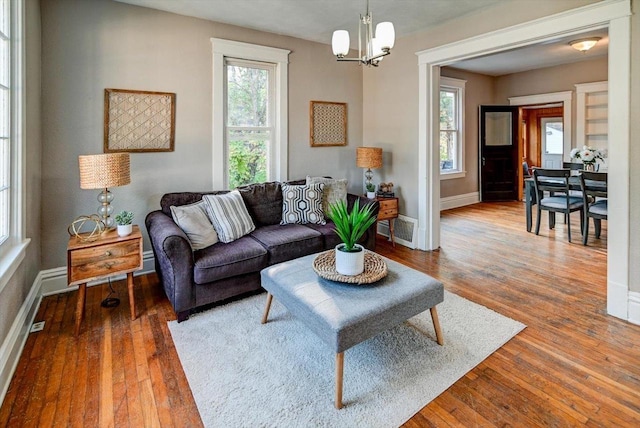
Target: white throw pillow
229	215
335	189
193	220
302	204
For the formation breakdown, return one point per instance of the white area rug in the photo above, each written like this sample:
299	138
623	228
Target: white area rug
279	374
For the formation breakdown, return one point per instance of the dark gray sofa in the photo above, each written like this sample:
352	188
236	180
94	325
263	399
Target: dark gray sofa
221	271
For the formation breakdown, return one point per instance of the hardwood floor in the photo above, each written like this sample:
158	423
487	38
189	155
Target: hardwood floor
572	366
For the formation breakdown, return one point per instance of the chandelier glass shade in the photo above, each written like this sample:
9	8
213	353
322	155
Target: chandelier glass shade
371	49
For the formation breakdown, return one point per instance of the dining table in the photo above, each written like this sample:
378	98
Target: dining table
531	199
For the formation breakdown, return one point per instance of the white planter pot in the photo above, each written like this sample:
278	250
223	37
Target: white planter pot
371	195
125	230
349	263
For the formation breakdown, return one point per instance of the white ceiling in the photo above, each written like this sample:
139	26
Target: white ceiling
316	20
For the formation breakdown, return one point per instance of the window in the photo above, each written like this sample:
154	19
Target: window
249	113
5	120
451	128
249	119
12	242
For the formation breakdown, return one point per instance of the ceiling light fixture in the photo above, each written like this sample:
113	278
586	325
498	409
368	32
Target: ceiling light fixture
584	45
374	47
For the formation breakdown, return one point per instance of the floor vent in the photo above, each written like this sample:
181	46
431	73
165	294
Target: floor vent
405	230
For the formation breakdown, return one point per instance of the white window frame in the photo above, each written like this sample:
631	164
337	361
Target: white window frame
271	147
237	50
12	250
457	86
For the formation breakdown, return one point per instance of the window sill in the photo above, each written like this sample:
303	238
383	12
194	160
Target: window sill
10	259
452	175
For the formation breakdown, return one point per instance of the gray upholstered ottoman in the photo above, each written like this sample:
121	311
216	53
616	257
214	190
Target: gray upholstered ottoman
344	315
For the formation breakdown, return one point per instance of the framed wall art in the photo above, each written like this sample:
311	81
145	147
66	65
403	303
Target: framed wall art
139	121
328	124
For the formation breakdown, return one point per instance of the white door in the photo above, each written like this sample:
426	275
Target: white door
552	141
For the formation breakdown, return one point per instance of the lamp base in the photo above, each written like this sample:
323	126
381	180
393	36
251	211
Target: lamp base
105	210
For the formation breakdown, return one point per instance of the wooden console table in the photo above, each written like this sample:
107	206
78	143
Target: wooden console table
388	211
109	255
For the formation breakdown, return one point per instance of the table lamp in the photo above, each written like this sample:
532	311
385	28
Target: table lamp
101	172
370	158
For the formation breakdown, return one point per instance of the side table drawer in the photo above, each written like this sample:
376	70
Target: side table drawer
388	204
387	214
103	260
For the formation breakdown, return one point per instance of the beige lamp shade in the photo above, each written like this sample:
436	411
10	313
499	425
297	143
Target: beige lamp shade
369	157
104	170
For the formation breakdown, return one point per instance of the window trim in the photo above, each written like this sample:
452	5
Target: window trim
459	86
12	250
222	48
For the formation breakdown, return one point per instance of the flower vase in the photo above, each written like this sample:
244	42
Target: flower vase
125	229
589	166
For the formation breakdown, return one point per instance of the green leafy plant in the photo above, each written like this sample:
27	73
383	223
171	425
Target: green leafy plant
124	218
350	226
371	187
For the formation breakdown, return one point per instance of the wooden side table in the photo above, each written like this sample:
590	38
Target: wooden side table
108	255
388	211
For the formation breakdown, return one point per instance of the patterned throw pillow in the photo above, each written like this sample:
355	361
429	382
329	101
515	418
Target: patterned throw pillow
229	215
334	190
192	219
302	204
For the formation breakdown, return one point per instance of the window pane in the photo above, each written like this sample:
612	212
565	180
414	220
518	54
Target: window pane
4	17
4	113
247	96
247	157
4	214
447	110
554	138
498	128
448	150
4	162
4	62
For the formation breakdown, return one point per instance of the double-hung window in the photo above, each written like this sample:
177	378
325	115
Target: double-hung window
12	242
249	141
451	128
250	109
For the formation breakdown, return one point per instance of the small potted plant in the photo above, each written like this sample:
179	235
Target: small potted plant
371	190
350	226
124	220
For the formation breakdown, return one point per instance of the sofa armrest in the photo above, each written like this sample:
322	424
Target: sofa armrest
173	259
368	240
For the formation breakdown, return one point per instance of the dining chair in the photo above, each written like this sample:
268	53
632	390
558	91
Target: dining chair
556	181
594	186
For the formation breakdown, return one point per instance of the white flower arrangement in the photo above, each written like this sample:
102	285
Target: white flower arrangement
588	155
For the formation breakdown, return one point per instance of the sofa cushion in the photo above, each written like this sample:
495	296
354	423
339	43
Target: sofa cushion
263	201
288	241
222	260
330	237
302	204
229	216
334	190
183	198
193	221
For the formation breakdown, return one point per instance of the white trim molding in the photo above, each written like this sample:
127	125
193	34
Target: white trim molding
565	98
458	201
611	14
222	48
634	307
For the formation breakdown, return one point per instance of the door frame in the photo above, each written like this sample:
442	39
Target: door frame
614	15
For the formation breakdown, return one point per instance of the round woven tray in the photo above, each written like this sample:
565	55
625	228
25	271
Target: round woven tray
374	268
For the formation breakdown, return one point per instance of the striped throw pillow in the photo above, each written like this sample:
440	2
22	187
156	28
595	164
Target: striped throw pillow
302	204
229	215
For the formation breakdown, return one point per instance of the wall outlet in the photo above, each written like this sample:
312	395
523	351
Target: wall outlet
37	326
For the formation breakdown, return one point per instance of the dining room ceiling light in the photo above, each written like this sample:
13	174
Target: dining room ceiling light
584	45
371	49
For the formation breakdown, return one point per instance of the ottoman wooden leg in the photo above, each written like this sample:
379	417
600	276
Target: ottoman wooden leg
436	325
339	372
266	309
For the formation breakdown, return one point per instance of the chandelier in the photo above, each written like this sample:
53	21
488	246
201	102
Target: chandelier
371	49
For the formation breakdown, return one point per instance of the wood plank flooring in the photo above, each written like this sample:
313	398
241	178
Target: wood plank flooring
572	366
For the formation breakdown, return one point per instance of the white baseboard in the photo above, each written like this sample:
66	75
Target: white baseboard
458	201
618	300
14	342
634	307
